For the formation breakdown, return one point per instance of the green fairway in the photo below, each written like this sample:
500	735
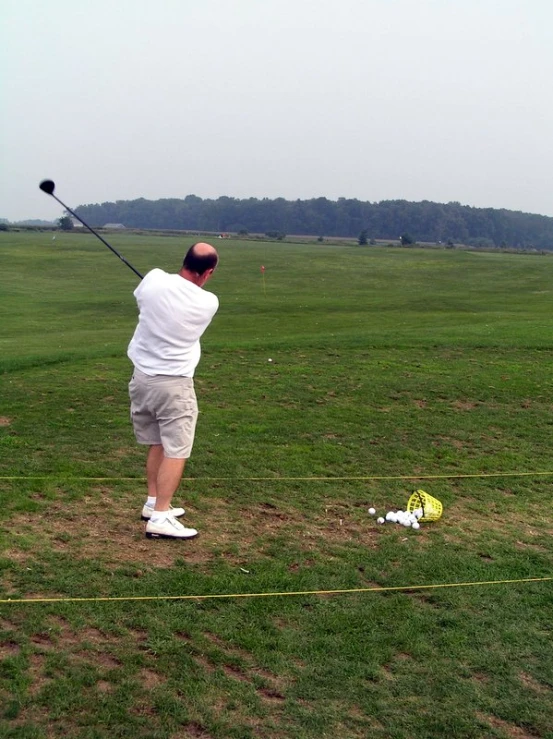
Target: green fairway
391	370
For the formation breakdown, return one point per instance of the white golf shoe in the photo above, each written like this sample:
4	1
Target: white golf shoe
148	510
168	528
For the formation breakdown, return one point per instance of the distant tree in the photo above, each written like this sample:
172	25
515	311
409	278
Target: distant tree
65	223
432	222
406	239
320	239
4	227
243	232
363	238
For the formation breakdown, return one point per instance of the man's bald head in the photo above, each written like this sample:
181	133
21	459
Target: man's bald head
200	258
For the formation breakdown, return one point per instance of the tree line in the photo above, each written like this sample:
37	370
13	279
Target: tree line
425	221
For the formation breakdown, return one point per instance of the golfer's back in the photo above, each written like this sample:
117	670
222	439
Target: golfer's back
173	315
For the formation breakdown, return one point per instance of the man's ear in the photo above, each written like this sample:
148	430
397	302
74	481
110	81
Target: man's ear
204	277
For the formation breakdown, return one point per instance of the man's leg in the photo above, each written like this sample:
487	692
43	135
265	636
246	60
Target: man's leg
162	522
176	414
153	463
168	478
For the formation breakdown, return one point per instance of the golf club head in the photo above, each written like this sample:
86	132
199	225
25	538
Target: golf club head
47	186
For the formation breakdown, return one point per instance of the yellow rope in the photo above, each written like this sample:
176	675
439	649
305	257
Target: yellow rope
285	479
272	595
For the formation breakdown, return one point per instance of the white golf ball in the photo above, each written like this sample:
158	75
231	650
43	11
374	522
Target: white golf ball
415	525
418	512
406	522
269	360
372	511
380	519
391	516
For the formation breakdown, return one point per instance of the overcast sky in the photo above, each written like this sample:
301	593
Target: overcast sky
372	99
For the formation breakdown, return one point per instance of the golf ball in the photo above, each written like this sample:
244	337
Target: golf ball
391	516
380	519
372	511
269	360
415	525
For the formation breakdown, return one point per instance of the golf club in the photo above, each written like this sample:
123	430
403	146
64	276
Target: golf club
48	187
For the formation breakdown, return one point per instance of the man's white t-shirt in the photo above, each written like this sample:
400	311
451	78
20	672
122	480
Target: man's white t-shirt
174	313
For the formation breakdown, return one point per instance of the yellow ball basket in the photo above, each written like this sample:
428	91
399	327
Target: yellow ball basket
431	507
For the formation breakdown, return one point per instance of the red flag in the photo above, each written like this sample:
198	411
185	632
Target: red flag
262	268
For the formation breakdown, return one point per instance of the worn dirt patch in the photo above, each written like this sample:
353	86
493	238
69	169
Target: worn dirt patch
101	660
43	641
108	528
204	663
49	728
236	672
5	421
464	405
480	677
19	556
36	674
449	441
144	707
535	685
89	645
389	669
63	633
150	679
249	672
9	649
531	546
511	730
110	537
193	729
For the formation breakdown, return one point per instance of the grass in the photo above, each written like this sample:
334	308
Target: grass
387	363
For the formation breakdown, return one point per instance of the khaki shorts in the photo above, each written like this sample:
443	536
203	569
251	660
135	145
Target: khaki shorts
164	411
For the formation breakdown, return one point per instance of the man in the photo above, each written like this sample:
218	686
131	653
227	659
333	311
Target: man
174	312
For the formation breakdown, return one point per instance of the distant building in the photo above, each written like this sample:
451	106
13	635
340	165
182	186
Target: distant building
113	225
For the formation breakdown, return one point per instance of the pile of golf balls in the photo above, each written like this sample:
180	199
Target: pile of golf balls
404	518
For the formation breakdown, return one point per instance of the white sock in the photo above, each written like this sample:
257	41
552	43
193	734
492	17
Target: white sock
150	502
158	516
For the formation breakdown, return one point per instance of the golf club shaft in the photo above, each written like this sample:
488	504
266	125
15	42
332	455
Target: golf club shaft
121	257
